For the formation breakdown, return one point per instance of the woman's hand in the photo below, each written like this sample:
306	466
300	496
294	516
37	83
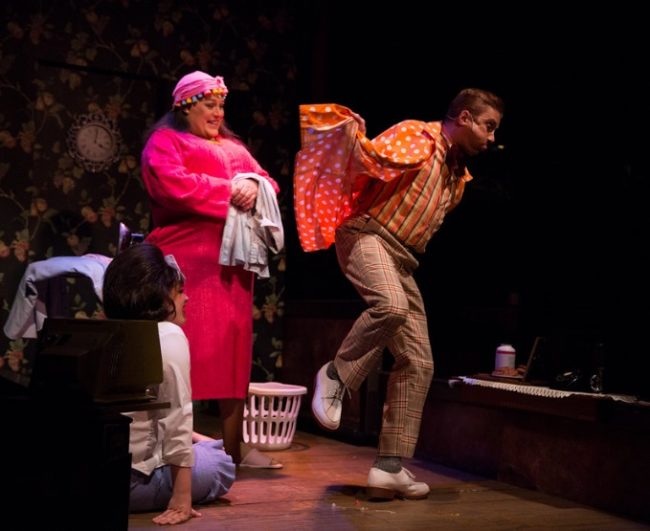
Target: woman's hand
179	508
244	193
175	515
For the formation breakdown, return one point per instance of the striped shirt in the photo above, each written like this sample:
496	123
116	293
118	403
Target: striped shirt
401	178
413	206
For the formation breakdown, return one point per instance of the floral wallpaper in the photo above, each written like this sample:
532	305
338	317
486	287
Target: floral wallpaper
116	61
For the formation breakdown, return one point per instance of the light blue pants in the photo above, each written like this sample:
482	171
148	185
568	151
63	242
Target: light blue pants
212	476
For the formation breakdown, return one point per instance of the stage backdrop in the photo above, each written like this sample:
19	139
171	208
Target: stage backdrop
70	65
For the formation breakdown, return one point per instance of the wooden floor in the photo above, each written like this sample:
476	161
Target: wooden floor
321	487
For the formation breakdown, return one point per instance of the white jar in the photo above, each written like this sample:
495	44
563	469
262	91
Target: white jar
505	356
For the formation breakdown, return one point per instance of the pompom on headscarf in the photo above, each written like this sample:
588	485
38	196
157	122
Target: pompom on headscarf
196	86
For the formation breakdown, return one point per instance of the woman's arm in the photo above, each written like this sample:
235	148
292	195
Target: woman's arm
171	184
179	508
244	162
175	426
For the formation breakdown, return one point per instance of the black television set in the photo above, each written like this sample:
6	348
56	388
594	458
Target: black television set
102	361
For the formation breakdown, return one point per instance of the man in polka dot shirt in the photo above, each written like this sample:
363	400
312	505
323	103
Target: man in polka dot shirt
381	201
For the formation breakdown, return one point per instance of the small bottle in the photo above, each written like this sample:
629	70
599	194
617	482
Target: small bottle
505	356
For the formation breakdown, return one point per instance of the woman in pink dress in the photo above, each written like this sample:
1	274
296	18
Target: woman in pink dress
188	166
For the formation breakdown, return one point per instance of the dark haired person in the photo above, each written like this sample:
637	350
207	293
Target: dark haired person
380	201
189	167
172	466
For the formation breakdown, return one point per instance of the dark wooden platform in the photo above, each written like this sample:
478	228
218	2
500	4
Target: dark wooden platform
591	449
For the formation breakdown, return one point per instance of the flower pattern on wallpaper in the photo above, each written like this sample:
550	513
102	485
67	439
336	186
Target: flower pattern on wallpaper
120	60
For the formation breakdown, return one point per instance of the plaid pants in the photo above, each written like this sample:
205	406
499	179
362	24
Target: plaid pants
381	270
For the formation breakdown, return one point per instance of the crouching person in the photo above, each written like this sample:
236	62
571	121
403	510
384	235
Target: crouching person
172	466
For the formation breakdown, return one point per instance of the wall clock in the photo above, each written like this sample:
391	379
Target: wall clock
94	141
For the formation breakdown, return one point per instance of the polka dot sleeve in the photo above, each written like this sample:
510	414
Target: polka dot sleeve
334	160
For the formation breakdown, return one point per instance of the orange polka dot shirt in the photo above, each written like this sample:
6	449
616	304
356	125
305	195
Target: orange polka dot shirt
405	178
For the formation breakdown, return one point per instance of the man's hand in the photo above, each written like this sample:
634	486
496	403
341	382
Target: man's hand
360	121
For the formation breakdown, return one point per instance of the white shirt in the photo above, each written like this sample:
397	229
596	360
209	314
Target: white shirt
164	436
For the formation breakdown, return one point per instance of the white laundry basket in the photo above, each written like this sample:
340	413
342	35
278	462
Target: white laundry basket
270	414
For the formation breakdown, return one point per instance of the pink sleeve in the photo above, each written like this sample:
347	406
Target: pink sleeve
171	185
247	163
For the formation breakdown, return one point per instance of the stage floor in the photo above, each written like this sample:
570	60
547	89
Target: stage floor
321	487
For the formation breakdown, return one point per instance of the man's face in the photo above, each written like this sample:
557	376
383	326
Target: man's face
479	130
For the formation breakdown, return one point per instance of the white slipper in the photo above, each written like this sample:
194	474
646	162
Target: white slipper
256	459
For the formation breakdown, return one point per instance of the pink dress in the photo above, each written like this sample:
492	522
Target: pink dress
188	182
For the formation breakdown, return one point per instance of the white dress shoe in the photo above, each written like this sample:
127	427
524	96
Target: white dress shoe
326	405
386	485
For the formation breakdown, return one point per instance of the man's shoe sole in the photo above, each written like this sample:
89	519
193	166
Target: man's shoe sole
380	493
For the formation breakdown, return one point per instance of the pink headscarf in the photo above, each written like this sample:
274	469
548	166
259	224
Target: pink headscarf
195	86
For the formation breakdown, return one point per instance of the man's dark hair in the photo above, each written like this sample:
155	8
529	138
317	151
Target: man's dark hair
475	101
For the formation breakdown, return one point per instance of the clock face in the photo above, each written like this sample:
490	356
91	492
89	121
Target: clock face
94	142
